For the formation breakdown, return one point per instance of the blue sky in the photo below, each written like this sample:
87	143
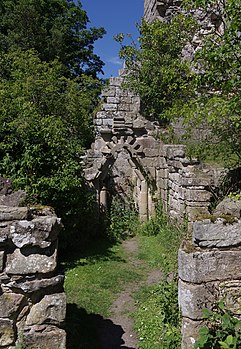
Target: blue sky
116	16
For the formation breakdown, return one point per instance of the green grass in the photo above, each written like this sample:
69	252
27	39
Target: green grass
156	319
92	283
95	277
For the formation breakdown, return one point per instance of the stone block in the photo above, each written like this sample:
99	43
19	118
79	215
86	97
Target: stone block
13	213
55	282
203	266
41	231
196	195
107	122
4	231
109	91
194	298
115	81
218	234
7	334
190	332
114	100
229	206
50	310
10	304
110	106
31	262
193	212
2	254
230	293
51	338
123	107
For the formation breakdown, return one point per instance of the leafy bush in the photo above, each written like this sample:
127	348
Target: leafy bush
223	330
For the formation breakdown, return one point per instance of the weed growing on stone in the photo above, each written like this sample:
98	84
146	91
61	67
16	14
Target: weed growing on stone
222	331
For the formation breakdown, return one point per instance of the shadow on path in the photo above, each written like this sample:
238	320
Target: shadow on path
92	331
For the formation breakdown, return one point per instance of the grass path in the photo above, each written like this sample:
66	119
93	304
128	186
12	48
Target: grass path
100	288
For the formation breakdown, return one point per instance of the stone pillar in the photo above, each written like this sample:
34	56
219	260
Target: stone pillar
32	299
143	201
103	199
209	271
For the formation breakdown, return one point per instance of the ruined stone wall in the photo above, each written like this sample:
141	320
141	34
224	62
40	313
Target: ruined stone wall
129	157
209	271
32	300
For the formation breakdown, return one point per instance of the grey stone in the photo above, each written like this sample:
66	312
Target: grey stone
2	254
10	304
228	206
205	266
4	231
41	231
18	263
218	234
110	106
190	332
50	310
115	81
38	284
6	332
230	293
51	338
194	298
13	213
13	199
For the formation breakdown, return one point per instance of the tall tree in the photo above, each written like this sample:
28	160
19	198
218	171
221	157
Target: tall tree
48	93
56	28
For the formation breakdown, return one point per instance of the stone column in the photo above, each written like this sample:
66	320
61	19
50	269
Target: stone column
103	199
143	201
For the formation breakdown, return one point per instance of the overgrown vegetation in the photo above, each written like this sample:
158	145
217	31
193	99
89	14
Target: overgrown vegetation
48	95
203	92
222	331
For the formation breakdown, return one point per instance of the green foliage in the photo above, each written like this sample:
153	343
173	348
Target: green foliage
44	126
56	28
234	195
204	92
157	73
122	221
157	319
160	249
223	330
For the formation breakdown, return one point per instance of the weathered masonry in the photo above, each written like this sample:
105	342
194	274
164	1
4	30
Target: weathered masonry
32	300
129	158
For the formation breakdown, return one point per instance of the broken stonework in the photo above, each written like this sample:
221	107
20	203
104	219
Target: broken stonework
209	271
217	234
209	265
229	206
129	158
50	310
49	338
32	301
